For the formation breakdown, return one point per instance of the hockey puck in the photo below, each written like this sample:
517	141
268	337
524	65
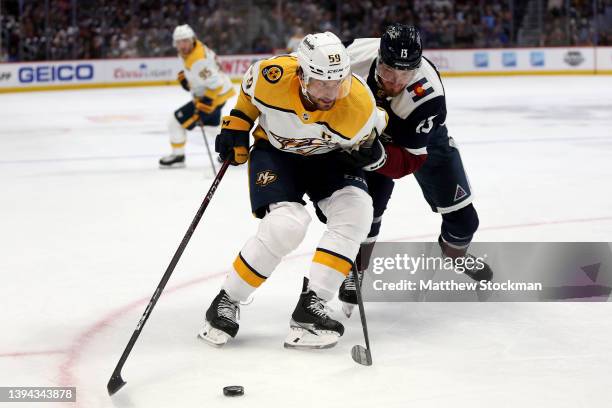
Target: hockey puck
233	390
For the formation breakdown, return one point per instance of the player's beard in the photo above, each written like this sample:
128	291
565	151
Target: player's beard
324	104
312	103
392	90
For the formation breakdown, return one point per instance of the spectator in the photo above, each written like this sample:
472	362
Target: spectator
132	28
261	45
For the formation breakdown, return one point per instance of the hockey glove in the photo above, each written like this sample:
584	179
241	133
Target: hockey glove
183	80
205	104
369	158
233	144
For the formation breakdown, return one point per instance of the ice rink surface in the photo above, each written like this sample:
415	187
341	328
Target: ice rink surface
89	225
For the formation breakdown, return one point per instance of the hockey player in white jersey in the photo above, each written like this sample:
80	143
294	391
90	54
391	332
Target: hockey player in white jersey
209	86
408	86
309	108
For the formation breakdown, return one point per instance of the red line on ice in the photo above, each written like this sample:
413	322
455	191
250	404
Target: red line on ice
32	353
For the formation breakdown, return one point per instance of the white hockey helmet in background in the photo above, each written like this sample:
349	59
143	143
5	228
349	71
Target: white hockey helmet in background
182	32
322	57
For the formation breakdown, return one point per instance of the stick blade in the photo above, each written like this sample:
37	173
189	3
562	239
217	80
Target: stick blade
115	383
361	355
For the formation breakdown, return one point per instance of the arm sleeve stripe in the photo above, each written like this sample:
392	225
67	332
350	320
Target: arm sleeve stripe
239	114
236	123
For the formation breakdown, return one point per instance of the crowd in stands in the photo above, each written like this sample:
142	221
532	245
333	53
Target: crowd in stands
584	23
65	29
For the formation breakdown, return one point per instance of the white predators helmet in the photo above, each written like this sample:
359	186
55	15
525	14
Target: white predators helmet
182	32
322	57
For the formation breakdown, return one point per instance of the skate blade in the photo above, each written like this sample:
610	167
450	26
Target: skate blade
347	309
299	338
172	166
212	336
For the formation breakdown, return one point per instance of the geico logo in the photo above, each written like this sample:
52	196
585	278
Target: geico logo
52	73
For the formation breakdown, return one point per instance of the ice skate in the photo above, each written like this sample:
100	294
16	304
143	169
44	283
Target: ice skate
221	320
311	325
347	293
172	161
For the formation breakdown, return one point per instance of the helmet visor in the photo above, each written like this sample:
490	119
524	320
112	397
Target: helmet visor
394	76
329	90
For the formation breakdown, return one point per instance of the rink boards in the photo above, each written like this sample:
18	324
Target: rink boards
76	74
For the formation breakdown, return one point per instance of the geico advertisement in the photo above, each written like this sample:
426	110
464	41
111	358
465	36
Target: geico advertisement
45	74
60	73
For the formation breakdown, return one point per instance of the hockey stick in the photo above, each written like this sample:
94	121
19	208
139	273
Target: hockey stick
116	381
360	354
212	162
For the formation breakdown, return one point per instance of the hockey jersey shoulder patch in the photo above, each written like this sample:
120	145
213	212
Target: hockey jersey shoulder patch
274	69
420	89
272	73
426	87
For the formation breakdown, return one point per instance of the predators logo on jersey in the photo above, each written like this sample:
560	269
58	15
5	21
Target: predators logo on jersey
305	146
265	177
273	73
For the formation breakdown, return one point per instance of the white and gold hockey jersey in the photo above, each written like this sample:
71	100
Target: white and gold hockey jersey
204	75
270	92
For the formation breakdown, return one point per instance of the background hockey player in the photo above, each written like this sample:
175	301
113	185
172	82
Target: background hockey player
210	88
308	106
408	86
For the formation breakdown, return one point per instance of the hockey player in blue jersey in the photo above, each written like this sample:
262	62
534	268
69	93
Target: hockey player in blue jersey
408	86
